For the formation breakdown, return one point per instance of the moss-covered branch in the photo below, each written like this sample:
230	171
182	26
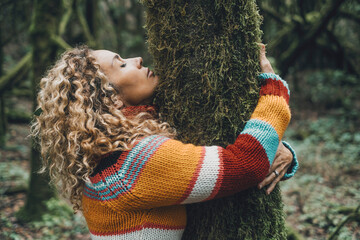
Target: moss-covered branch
16	73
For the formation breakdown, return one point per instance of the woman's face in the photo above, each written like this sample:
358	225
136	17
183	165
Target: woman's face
134	82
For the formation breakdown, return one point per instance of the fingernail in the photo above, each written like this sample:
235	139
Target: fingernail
259	186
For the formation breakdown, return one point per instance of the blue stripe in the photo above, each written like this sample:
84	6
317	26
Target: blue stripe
265	134
97	198
133	164
294	164
144	150
121	172
145	154
88	191
265	76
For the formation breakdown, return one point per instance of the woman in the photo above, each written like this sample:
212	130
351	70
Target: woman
120	165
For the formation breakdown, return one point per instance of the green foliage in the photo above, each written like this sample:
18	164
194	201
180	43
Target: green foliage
59	217
126	18
13	175
308	34
334	138
321	209
331	89
329	155
57	223
314	204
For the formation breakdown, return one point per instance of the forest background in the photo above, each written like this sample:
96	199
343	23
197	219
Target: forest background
314	45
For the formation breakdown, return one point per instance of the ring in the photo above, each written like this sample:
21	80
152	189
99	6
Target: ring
276	173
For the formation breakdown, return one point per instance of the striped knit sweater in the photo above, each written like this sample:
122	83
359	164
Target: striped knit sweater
140	193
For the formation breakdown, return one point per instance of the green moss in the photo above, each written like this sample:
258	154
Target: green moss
206	56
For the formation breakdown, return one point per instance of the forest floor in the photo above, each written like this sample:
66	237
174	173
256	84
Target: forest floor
320	196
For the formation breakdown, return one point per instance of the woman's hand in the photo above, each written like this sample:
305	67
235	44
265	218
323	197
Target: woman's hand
264	62
282	162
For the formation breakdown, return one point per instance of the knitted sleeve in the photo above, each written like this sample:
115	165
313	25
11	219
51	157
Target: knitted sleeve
159	171
294	164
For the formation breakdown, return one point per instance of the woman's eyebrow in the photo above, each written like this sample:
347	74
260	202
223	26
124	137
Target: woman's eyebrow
115	56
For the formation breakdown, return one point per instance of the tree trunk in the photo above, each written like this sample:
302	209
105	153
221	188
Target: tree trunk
46	17
3	121
206	56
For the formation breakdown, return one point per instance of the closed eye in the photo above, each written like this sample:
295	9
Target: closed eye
119	59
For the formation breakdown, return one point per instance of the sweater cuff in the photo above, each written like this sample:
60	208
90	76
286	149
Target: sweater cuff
274	85
294	164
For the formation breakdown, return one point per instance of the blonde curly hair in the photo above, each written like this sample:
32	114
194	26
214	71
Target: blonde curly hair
79	122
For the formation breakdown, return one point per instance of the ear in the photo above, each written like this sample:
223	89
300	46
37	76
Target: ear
118	102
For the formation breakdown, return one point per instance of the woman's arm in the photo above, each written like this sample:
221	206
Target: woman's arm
160	171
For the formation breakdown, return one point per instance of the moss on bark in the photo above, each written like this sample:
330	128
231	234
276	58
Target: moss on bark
206	56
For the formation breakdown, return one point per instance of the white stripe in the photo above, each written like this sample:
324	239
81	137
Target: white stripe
208	176
146	233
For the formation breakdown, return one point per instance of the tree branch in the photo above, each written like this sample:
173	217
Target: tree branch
273	14
345	58
289	57
300	4
66	17
18	116
350	15
60	42
16	73
351	217
90	38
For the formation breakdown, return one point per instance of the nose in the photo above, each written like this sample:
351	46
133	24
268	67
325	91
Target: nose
138	61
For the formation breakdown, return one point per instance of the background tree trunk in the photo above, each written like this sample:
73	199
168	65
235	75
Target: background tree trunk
45	22
206	56
3	120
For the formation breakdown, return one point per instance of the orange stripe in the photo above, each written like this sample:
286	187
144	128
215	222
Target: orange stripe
273	110
167	177
194	178
174	216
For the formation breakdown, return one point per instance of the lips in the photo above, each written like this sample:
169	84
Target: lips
150	73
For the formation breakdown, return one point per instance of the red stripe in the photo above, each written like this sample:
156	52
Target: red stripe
160	226
138	228
91	194
245	165
275	87
117	165
194	177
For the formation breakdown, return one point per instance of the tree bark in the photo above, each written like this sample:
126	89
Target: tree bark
206	56
46	16
3	121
